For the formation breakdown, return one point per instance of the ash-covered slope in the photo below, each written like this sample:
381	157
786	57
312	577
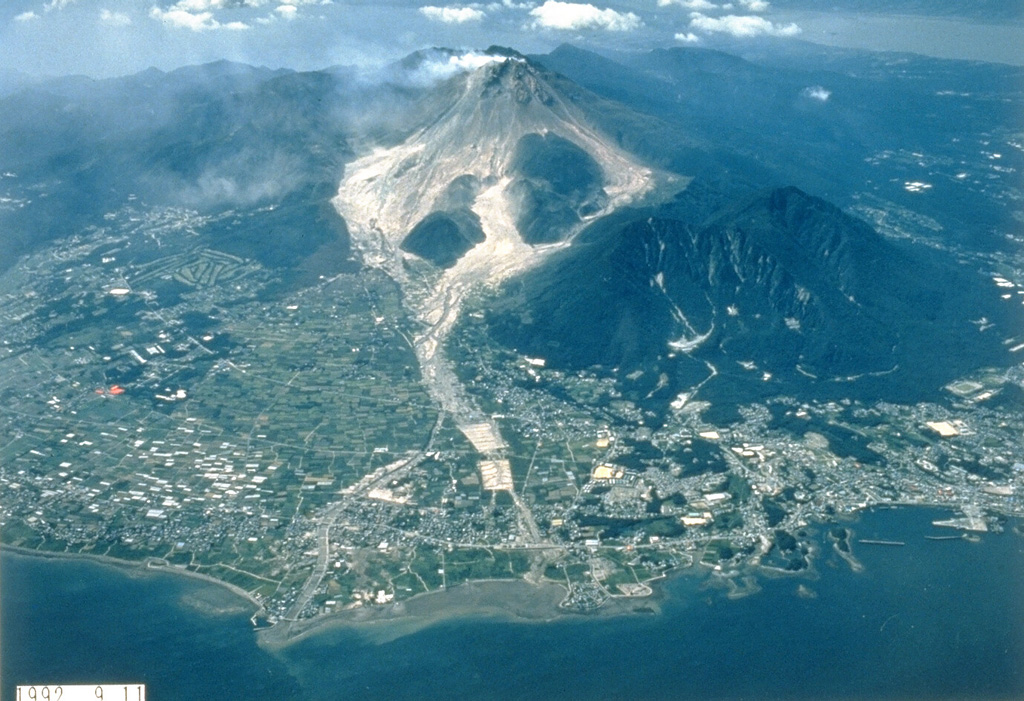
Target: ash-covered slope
784	284
523	157
504	172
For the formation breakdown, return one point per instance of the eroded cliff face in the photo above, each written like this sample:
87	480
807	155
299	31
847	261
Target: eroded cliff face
505	171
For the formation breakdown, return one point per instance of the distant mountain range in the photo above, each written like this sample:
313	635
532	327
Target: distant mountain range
566	178
985	10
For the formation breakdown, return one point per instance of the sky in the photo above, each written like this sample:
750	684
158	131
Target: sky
102	38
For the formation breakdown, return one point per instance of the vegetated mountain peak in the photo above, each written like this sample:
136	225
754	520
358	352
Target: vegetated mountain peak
790	217
781	285
819	241
497	50
791	205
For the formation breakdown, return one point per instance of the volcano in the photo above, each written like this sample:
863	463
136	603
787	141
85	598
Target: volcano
504	169
507	162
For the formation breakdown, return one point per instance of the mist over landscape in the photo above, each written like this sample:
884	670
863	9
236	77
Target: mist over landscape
394	328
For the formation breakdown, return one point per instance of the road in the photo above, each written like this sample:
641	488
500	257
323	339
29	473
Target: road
330	517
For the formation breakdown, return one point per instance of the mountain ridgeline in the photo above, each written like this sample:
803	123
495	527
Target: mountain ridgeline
571	202
257	151
780	286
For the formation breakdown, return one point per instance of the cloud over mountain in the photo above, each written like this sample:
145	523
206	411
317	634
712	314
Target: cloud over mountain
741	26
181	16
817	92
554	14
436	65
452	15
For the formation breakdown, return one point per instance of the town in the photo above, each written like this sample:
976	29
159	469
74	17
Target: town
164	402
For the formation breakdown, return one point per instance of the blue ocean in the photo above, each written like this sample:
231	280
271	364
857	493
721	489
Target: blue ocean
931	619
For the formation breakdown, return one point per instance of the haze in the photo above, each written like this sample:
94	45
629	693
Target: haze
102	38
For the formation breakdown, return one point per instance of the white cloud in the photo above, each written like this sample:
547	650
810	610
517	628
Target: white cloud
452	15
58	4
197	15
443	66
204	5
195	21
569	15
472	60
741	26
494	7
755	5
114	19
26	16
287	11
816	92
688	38
689	4
197	6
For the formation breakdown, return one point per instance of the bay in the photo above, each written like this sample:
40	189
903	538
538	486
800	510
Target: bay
77	621
930	619
939	37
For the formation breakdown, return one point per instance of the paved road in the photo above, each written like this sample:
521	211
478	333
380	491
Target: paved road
327	521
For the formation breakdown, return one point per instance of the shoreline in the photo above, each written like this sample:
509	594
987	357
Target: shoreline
445	646
507	600
516	600
149	564
498	599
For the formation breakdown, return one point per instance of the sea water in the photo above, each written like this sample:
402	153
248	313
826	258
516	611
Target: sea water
75	621
930	619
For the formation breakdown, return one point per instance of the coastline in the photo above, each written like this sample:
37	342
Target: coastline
515	600
506	600
944	37
496	639
149	565
510	600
